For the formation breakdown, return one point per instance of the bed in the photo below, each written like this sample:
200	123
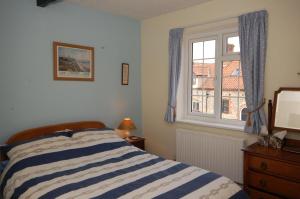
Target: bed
88	160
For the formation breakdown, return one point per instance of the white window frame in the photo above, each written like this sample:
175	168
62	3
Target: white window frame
184	112
190	78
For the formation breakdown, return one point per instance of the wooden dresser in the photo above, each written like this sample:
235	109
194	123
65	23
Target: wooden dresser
270	173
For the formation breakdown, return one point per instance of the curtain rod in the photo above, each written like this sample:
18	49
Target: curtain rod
218	20
209	22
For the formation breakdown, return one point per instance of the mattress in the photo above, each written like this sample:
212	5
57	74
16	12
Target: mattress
99	164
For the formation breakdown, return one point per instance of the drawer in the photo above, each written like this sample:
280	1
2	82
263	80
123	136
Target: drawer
274	185
274	167
256	194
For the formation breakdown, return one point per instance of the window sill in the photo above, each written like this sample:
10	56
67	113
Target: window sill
212	124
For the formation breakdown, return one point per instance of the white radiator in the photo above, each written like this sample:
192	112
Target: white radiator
217	153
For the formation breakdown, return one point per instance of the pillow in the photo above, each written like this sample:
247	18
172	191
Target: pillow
80	139
7	147
66	133
36	146
91	129
96	136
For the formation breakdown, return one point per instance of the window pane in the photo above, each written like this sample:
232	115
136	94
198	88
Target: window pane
233	95
232	79
210	49
233	44
197	50
203	78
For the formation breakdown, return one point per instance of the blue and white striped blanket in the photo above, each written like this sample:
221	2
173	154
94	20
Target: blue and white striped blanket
99	164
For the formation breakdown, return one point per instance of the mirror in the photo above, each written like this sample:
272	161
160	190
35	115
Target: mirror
286	112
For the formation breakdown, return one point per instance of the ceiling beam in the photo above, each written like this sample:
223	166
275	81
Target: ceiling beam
43	3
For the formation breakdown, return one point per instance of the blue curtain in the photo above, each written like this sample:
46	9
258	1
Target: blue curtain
253	42
175	40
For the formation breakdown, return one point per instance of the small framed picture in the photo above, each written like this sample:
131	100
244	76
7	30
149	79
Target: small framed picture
73	62
125	74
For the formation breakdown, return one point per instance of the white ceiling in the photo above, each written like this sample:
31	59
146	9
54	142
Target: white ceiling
138	9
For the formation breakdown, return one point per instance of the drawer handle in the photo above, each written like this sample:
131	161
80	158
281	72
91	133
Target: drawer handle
264	166
263	183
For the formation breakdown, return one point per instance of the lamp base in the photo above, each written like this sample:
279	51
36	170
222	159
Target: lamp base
122	133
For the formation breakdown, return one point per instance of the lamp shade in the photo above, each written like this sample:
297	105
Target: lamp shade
127	124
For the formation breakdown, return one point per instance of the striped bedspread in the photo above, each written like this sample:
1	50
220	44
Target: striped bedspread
98	164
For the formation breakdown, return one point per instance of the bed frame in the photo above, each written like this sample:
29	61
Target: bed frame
47	130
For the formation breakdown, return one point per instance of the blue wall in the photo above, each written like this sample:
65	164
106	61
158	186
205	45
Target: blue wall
29	95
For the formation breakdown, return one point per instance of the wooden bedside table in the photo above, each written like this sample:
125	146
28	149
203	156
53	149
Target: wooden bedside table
136	141
2	156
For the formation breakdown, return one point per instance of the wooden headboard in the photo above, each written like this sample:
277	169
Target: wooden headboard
46	130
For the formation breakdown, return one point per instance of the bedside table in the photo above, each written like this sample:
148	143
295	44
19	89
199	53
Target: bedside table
138	142
2	148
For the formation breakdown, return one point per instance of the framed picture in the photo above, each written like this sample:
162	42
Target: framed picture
73	62
125	74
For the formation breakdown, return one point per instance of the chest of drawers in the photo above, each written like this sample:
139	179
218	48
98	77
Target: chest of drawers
270	173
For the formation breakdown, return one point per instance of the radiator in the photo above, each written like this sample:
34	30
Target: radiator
217	153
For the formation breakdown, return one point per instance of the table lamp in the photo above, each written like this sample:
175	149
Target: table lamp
126	126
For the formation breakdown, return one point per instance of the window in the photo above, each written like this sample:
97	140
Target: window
204	75
233	89
211	85
225	106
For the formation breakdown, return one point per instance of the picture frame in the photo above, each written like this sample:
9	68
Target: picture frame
125	74
73	62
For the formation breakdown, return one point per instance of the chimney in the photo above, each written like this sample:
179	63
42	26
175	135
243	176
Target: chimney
230	48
